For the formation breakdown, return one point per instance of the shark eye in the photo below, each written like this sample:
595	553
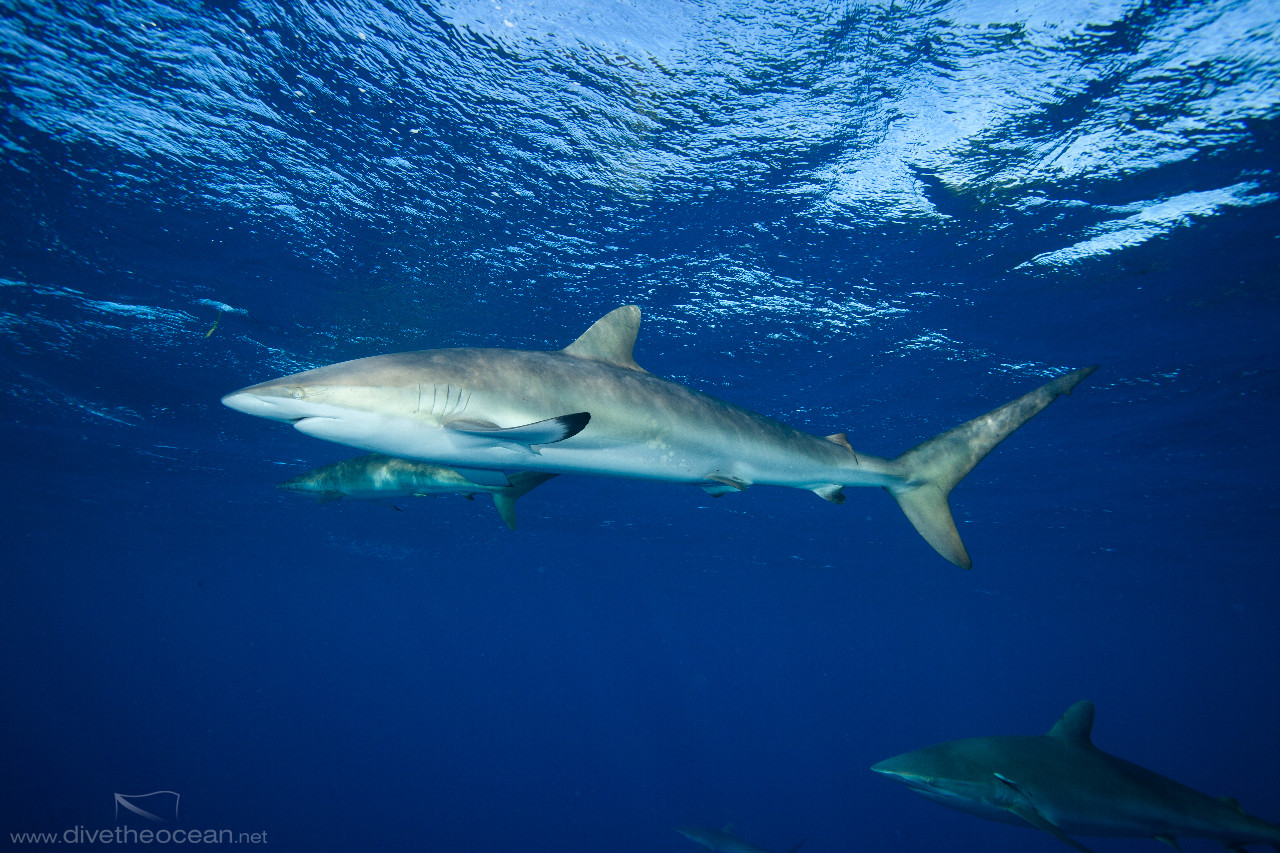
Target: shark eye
297	394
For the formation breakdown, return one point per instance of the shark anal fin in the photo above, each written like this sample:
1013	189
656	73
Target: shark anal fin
549	431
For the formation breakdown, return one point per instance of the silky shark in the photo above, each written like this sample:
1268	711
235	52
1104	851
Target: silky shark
376	477
723	840
1061	783
590	409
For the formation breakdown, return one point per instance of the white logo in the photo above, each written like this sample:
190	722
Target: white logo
158	806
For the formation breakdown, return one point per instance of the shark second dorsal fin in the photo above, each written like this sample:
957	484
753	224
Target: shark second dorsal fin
1075	725
1231	803
611	339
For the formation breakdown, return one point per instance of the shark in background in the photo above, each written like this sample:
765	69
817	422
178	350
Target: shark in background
1061	783
723	840
376	477
591	409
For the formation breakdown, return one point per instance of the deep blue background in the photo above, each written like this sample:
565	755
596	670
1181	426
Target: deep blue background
879	219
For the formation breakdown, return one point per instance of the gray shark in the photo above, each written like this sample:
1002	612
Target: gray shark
1061	783
590	409
375	477
723	840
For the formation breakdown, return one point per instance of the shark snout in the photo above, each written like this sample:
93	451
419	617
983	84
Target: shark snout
276	402
257	405
902	769
891	767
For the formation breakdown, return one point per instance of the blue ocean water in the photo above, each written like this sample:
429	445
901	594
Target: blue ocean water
880	218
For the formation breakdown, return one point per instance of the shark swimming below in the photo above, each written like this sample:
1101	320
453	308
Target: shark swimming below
590	409
376	477
1061	783
723	840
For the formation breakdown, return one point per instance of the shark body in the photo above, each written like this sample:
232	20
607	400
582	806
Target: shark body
376	477
1061	783
723	840
590	409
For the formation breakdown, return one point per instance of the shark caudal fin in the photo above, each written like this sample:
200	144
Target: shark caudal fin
521	482
932	469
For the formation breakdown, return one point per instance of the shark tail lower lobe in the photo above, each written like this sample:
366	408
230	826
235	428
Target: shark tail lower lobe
930	470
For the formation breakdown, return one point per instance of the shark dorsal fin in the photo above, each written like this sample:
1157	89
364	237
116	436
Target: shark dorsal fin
1075	725
611	339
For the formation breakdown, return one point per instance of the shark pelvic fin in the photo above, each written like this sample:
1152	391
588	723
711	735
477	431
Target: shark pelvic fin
931	470
833	492
611	339
1168	839
543	432
1075	725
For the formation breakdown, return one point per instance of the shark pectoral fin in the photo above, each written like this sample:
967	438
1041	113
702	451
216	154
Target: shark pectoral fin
1168	839
1024	808
796	847
485	477
549	431
833	492
731	482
